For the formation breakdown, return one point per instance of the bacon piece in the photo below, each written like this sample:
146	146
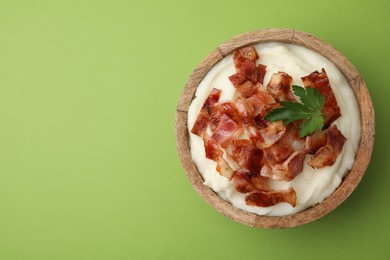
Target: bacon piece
247	155
219	109
260	182
249	70
280	87
320	81
247	88
242	181
203	118
226	131
245	182
214	152
316	141
245	63
286	171
285	146
260	100
252	74
327	155
296	142
241	55
245	111
261	70
271	133
278	152
212	149
270	198
252	102
237	79
268	108
260	123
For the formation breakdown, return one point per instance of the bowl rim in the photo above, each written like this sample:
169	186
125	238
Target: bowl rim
363	153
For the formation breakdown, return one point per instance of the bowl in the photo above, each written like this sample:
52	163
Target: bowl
363	155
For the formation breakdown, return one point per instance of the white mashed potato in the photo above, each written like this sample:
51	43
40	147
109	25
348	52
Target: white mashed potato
312	186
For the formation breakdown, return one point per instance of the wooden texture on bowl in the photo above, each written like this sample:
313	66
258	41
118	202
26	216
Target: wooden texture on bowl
362	157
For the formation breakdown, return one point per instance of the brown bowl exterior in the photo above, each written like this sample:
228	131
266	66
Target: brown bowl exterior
362	157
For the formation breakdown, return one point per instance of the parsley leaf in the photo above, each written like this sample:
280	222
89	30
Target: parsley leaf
309	110
308	126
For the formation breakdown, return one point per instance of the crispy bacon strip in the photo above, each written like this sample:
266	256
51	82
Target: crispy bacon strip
214	152
244	54
285	146
245	63
244	182
237	79
280	87
220	109
316	141
247	155
249	72
247	88
286	171
203	118
226	131
278	152
245	111
320	81
260	100
261	70
327	155
268	108
271	198
271	133
260	182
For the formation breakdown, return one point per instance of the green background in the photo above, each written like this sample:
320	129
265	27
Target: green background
88	162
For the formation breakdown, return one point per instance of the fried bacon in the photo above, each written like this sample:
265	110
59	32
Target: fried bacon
285	146
280	87
261	70
244	182
286	171
245	63
249	73
270	198
245	111
220	109
259	150
260	100
249	108
226	131
247	88
244	54
271	133
237	79
214	152
247	155
278	152
249	70
320	81
327	154
316	141
203	118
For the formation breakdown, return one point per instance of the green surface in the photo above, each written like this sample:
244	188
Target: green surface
88	163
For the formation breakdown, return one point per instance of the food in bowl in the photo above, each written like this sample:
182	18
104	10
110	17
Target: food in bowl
221	193
274	167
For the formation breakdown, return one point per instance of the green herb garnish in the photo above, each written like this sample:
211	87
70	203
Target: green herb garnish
309	110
